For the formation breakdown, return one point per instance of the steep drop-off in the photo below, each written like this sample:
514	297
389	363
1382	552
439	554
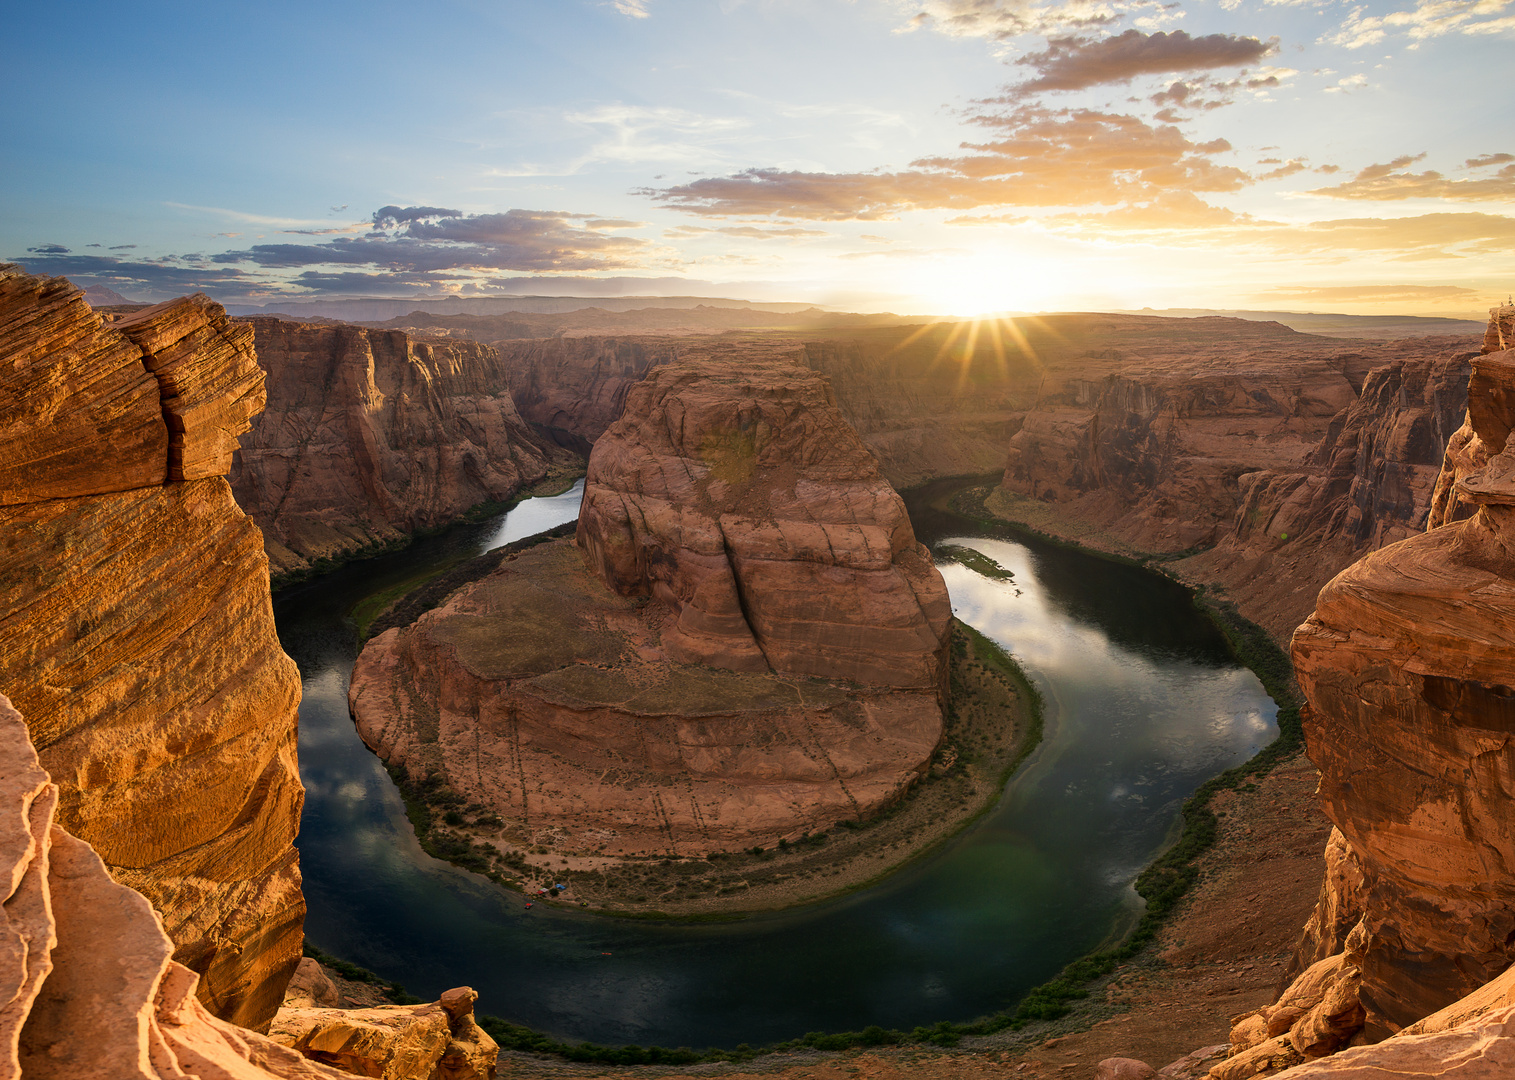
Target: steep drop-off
135	626
371	435
1406	664
732	519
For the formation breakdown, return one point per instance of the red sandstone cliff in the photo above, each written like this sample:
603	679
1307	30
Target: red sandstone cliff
371	435
135	626
1406	664
765	661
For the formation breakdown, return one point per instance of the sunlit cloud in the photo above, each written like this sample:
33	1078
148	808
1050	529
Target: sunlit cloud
1000	21
1039	157
1077	63
1369	294
637	9
1390	183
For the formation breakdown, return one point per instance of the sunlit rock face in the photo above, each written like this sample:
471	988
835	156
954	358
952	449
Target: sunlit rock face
746	645
371	435
732	490
1407	664
135	626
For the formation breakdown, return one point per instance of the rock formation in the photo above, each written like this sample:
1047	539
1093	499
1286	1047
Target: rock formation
765	660
1406	664
91	991
135	627
439	1041
732	489
1289	455
370	435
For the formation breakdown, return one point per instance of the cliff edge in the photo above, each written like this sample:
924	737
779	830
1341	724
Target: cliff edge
136	630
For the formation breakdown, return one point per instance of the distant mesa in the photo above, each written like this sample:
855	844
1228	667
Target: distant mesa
746	644
99	296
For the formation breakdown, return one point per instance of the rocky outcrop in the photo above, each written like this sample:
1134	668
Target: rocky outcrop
90	991
1406	665
136	630
371	435
439	1041
765	661
732	490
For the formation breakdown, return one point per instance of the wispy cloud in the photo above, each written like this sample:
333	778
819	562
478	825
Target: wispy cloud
1427	19
1000	21
1391	182
1371	294
253	219
637	9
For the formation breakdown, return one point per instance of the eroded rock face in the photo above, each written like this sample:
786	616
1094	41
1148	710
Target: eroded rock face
1406	666
89	989
733	490
765	663
439	1041
136	630
370	435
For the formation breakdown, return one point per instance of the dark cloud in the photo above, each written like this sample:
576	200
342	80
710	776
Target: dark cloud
121	247
427	240
48	249
1038	157
153	277
1077	63
1390	182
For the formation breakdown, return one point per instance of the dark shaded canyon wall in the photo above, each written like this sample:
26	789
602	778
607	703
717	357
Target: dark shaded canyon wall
371	435
136	632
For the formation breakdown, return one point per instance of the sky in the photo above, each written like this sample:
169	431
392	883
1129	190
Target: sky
947	157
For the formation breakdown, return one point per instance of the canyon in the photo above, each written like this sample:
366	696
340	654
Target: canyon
136	632
1244	454
369	436
744	644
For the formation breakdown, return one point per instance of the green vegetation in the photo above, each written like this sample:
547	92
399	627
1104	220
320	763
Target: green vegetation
976	561
353	973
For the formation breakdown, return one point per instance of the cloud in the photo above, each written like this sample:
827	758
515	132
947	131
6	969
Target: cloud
252	219
157	277
1487	160
999	21
1428	19
48	249
429	239
1038	157
1076	63
1381	294
1386	183
1420	238
751	232
637	9
1287	168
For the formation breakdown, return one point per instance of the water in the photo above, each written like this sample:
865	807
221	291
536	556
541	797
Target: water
1144	704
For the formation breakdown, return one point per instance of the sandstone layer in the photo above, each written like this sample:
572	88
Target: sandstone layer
749	645
371	435
1285	456
136	630
1406	666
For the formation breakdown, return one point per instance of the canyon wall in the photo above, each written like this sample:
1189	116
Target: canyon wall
1406	664
747	646
1283	456
136	631
371	435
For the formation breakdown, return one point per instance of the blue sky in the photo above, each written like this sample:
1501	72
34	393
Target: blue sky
945	156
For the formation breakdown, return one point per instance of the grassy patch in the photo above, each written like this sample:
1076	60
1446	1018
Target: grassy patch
976	561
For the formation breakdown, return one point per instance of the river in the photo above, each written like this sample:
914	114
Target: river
1143	704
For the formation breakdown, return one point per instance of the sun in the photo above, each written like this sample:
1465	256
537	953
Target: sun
986	282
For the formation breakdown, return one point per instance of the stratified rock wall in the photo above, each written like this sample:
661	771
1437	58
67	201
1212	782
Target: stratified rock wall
733	490
1406	664
136	629
370	435
766	660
